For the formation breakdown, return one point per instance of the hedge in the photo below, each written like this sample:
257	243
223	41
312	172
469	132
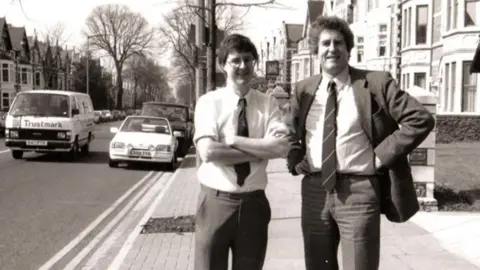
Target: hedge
457	128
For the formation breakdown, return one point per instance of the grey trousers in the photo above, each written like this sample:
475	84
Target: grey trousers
349	214
236	222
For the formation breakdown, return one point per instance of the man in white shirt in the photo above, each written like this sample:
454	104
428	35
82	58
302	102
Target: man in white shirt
237	130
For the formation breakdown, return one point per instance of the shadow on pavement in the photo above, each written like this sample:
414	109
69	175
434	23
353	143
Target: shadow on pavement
99	157
94	157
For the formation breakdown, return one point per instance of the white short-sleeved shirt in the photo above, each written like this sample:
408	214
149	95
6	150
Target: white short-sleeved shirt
216	115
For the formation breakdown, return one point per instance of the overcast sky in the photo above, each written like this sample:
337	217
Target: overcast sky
41	14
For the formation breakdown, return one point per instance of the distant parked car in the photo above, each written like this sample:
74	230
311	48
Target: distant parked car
106	115
97	115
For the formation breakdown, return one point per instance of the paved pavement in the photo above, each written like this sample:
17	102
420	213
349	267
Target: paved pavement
45	203
417	244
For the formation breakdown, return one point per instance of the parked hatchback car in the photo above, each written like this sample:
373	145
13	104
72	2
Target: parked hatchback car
143	139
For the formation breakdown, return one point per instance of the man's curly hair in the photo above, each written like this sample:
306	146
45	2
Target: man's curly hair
329	23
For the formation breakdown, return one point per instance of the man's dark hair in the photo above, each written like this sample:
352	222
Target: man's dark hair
329	23
238	43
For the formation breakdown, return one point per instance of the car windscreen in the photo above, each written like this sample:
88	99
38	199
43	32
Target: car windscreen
169	112
40	104
144	124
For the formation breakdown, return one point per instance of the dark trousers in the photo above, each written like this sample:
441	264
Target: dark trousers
350	215
227	221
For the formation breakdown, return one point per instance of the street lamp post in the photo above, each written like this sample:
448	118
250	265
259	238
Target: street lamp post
87	65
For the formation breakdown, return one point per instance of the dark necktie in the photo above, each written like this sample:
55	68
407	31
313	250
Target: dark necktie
242	169
329	157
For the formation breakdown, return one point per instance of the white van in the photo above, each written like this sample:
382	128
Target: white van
50	121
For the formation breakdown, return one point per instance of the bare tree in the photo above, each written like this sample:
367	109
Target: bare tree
175	35
55	34
121	33
175	32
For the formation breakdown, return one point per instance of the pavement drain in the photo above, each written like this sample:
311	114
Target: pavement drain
180	224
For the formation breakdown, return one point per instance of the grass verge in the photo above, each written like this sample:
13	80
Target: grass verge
457	176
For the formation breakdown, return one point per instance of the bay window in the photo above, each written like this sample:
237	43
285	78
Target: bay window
421	25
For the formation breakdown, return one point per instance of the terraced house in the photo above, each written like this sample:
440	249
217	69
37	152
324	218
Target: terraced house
280	46
304	62
27	63
423	43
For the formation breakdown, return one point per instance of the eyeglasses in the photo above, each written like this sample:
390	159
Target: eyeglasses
237	61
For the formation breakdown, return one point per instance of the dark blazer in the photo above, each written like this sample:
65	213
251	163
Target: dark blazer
382	107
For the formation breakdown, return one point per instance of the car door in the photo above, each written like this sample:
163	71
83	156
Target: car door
76	120
87	123
89	114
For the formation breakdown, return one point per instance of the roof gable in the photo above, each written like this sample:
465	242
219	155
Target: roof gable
293	33
4	30
314	9
17	35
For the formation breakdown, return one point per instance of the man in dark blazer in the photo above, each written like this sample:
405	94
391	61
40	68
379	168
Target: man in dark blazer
351	132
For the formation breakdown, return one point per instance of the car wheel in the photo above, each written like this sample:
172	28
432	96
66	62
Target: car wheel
173	164
16	154
112	163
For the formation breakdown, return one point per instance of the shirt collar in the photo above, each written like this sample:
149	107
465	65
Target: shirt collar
341	79
235	98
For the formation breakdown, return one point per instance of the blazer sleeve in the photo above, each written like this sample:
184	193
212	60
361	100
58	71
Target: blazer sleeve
415	122
296	152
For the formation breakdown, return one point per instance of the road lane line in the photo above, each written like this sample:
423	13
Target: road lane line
4	151
93	225
112	244
118	260
114	222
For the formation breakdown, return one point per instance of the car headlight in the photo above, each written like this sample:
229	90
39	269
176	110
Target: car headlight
64	135
118	145
162	147
11	133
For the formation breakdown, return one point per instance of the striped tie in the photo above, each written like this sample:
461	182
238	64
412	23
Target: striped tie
329	157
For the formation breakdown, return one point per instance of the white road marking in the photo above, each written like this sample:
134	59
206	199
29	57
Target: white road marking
93	225
118	236
114	222
4	151
118	261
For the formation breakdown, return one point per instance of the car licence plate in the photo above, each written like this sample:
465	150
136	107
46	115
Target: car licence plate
140	153
37	143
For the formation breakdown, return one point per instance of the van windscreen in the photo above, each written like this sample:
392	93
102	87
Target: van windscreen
40	104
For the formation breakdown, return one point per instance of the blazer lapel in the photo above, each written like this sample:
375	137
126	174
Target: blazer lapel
307	99
362	100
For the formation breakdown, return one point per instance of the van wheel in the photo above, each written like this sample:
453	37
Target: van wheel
16	154
73	154
112	164
86	148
